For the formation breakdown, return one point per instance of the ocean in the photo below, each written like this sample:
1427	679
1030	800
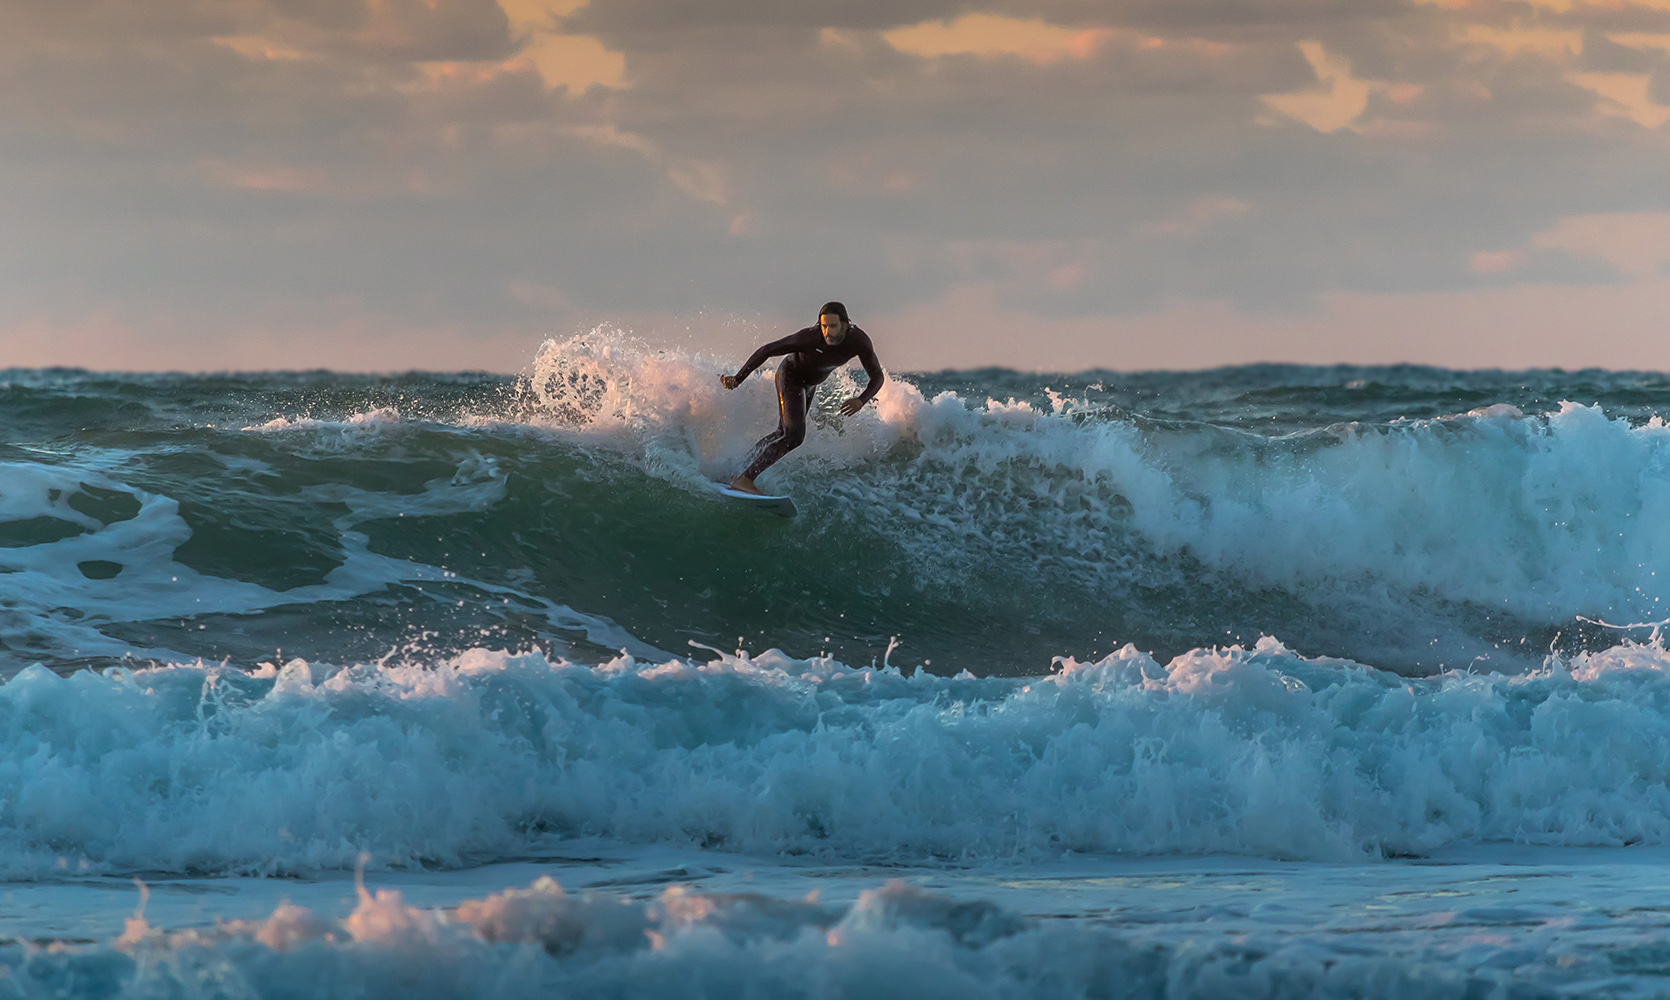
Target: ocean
1268	681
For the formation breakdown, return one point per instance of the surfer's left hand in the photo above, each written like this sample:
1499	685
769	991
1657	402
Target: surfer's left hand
852	406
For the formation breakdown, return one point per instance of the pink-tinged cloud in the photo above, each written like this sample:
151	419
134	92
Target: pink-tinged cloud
1636	243
1144	183
991	35
575	63
279	177
1335	103
1496	261
1625	95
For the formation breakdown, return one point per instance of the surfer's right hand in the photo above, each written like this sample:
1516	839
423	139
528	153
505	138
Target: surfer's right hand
729	381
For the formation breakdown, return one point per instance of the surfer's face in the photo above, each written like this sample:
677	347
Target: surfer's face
834	328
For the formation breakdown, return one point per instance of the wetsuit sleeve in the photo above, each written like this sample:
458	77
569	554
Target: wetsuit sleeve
777	348
872	368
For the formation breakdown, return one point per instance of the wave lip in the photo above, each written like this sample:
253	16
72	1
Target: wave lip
491	755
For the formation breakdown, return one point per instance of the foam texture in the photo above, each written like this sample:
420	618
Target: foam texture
490	755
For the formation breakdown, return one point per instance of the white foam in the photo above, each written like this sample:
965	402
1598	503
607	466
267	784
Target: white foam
377	419
489	755
892	941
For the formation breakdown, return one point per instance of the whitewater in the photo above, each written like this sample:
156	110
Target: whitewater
1268	681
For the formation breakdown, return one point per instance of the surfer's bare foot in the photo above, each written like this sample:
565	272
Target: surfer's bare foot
743	484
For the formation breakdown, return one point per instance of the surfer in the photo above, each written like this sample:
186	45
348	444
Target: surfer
813	353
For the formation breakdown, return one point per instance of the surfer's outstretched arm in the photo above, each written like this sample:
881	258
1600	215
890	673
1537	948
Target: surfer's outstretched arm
777	348
872	368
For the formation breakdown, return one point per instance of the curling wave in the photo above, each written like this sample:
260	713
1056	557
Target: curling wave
986	521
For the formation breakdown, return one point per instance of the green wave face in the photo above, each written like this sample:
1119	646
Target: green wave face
987	521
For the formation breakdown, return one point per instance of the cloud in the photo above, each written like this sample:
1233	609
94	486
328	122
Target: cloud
1538	40
704	181
1496	261
1625	95
991	35
1336	104
257	47
1605	248
575	63
622	19
1636	243
540	15
1659	41
470	165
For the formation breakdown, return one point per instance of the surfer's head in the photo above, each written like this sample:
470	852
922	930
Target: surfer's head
832	320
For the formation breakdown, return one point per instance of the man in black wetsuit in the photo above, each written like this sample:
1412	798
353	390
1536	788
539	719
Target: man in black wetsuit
813	353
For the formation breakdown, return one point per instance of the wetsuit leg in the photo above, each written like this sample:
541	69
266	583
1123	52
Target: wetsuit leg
794	401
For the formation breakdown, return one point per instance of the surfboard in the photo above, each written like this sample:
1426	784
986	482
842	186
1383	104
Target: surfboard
783	506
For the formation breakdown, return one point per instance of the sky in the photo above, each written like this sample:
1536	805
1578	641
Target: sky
1045	184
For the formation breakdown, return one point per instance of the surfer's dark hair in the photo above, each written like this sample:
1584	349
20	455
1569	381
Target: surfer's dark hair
837	308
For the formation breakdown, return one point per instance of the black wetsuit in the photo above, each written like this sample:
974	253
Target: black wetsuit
810	361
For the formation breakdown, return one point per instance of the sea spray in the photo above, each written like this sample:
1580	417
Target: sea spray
488	755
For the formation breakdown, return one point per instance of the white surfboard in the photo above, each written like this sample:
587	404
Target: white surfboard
783	506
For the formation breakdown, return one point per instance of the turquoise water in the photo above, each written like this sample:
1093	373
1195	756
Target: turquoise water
1416	519
1269	681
